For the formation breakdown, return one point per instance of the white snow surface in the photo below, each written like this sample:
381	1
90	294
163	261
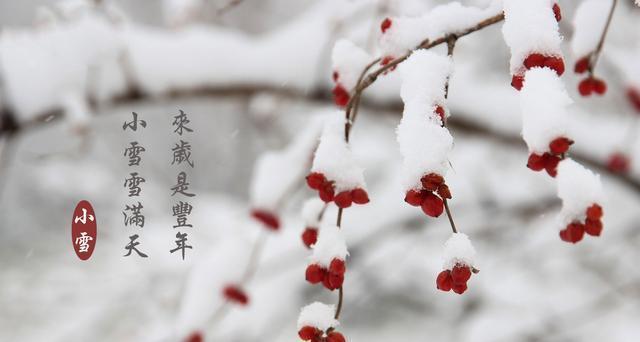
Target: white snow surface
334	158
349	61
544	102
588	23
458	250
330	245
530	27
578	188
311	210
318	315
424	75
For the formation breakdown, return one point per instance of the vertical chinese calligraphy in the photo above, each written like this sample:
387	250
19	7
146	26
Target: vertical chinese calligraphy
133	215
182	209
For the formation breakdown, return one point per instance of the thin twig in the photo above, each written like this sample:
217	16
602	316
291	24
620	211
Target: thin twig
596	53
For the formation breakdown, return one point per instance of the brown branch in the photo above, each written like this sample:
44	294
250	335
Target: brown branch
596	53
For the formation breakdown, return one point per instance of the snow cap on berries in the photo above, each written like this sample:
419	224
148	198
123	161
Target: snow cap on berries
544	102
311	210
588	23
348	61
330	245
334	158
318	315
424	75
578	188
277	171
458	250
530	27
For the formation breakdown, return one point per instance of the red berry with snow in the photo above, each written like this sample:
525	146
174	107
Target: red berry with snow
315	180
556	12
385	25
359	196
573	233
315	274
440	112
308	333
534	60
555	63
326	192
560	145
268	219
536	162
337	266
619	163
459	288
414	198
343	199
599	86
460	274
593	227
517	81
235	294
309	236
195	337
432	205
444	192
333	281
444	281
586	87
432	181
594	212
335	336
340	95
551	165
634	97
582	65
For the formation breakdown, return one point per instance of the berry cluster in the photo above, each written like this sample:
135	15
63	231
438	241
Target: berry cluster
619	163
313	334
326	191
454	279
575	230
340	94
235	294
332	278
426	198
591	84
268	219
549	160
538	60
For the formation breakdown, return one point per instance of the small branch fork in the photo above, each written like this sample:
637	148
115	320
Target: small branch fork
367	78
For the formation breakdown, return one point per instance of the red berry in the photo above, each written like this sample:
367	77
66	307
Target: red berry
326	192
334	281
582	65
555	63
359	196
335	336
459	288
593	227
444	281
619	163
414	198
314	274
634	97
594	212
432	205
440	111
556	12
335	76
573	233
560	145
536	162
310	236
341	96
460	274
195	337
599	86
586	87
386	60
517	81
386	24
551	165
432	181
343	199
337	266
534	60
234	294
308	333
315	180
268	219
444	192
